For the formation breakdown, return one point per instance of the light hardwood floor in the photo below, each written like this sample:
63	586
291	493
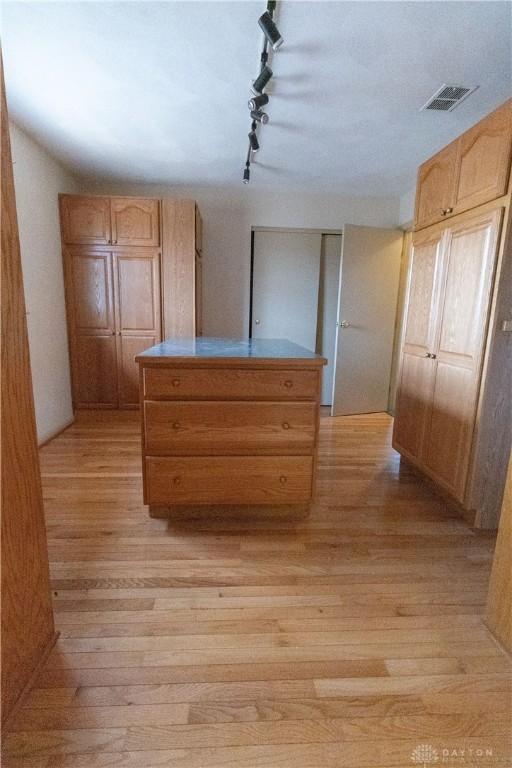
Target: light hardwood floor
340	640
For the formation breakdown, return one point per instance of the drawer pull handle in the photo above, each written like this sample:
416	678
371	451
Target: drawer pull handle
175	382
176	425
288	383
283	479
286	425
177	480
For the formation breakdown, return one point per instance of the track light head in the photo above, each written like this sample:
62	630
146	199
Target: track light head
258	101
262	79
247	175
270	30
259	116
253	141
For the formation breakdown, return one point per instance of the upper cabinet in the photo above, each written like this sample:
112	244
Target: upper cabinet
85	220
470	171
435	194
110	220
135	221
484	160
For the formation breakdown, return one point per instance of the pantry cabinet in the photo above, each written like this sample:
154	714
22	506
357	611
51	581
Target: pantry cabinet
453	419
132	268
470	171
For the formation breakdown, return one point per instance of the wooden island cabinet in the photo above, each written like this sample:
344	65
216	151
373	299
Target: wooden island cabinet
228	422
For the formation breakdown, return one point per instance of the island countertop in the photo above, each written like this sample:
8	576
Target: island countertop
207	350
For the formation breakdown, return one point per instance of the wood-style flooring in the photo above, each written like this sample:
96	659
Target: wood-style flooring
353	637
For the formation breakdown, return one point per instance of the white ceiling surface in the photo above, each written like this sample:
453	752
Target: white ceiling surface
157	91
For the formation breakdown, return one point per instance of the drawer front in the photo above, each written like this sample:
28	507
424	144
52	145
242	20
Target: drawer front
224	428
229	480
230	384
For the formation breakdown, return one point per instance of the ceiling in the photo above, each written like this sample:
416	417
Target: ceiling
157	91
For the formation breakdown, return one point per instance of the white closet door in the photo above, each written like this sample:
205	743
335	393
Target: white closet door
286	272
370	268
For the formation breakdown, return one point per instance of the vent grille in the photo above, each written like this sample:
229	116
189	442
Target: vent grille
447	97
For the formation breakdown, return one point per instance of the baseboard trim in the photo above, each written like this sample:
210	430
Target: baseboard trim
56	432
32	679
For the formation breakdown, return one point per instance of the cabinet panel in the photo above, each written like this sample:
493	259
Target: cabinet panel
85	220
135	221
414	395
199	231
435	191
469	265
92	291
484	160
95	371
199	295
137	291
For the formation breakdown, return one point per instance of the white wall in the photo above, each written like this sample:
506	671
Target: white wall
228	216
406	207
38	179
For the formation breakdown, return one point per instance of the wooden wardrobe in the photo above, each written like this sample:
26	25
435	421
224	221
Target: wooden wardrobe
453	412
132	269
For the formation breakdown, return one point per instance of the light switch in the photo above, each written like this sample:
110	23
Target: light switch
507	325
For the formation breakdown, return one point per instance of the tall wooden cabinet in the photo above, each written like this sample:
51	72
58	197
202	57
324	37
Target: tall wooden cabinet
131	269
453	318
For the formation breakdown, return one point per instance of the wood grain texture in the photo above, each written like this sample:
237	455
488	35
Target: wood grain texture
435	191
499	603
483	163
179	292
85	220
341	639
27	616
135	221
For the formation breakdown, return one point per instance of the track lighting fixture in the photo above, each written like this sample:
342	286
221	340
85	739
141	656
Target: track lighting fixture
253	141
258	101
262	79
270	31
259	116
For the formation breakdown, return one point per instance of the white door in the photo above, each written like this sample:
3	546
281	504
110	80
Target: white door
327	310
369	274
286	270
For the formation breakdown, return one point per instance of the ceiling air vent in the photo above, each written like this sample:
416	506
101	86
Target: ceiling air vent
447	97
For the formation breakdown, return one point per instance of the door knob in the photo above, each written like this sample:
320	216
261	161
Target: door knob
257	322
345	324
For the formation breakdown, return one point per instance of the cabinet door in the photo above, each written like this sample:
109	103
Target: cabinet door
484	160
137	288
436	187
92	329
135	221
468	271
414	395
85	220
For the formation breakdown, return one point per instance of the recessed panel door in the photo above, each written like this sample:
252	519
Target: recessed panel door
138	315
468	272
92	328
414	396
135	221
85	220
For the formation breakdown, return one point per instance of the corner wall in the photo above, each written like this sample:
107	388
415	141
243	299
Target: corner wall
38	179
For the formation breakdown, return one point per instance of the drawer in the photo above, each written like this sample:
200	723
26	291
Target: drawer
224	428
230	384
228	480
